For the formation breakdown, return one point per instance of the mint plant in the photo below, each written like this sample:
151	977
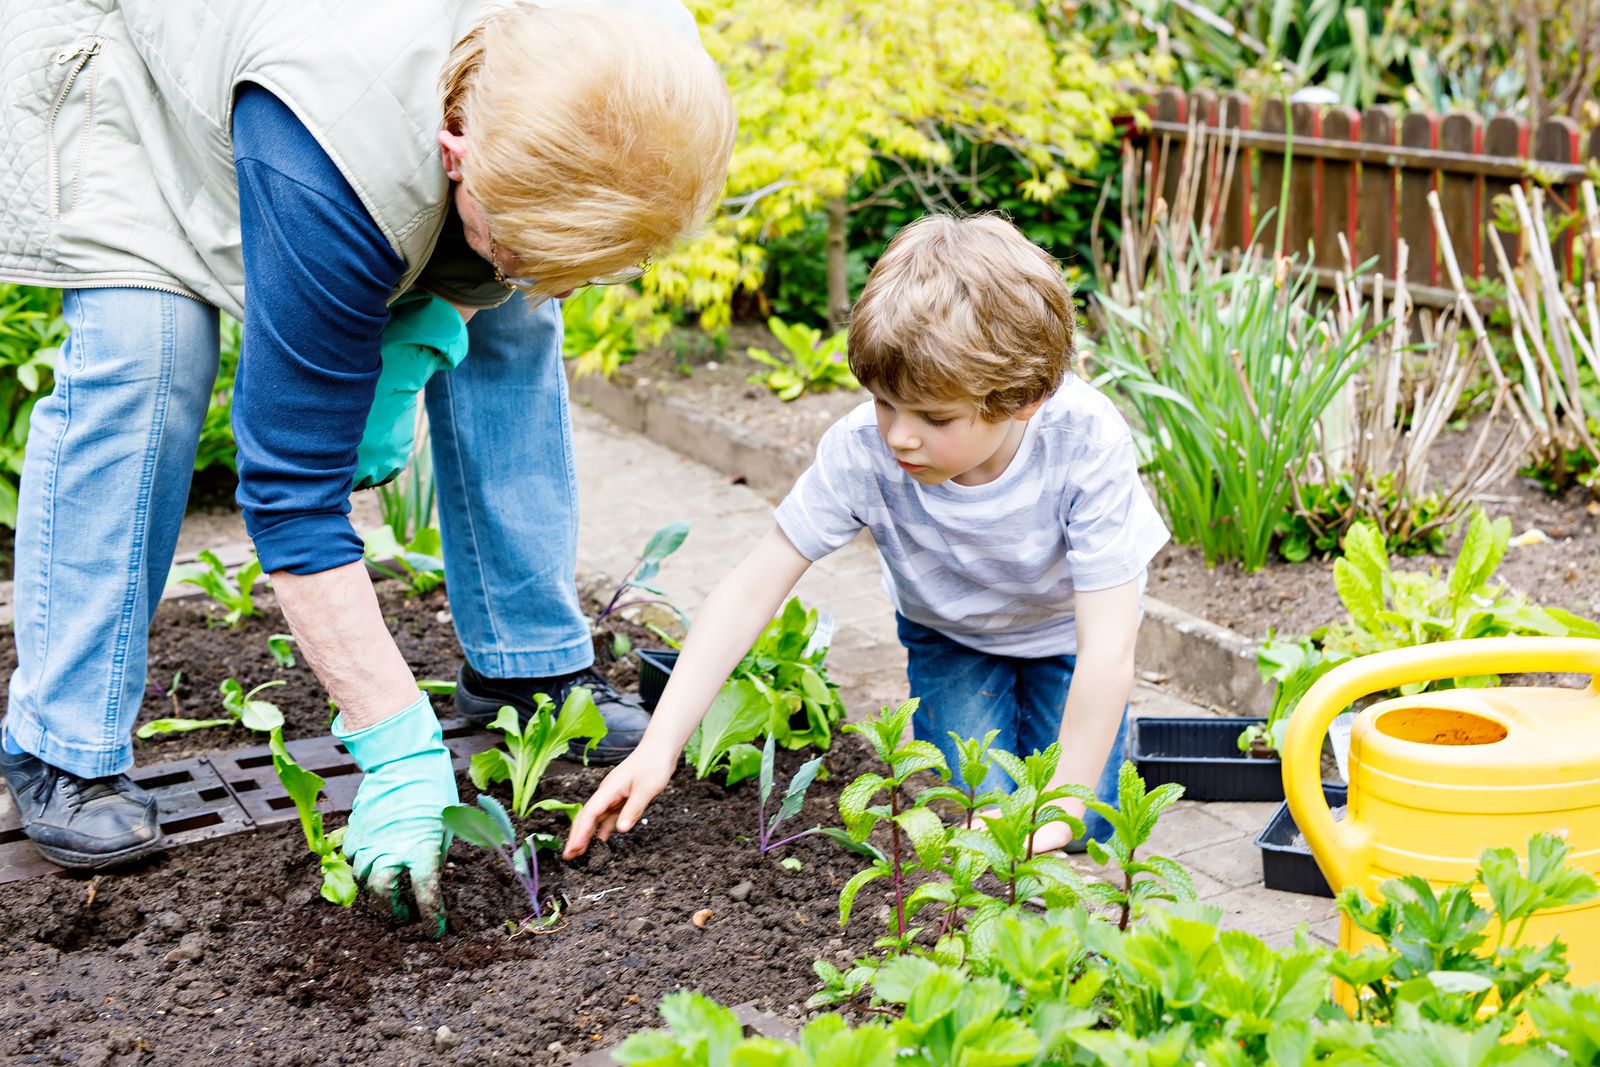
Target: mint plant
232	594
420	562
530	747
1132	821
242	708
663	543
304	787
488	826
973	760
909	821
807	363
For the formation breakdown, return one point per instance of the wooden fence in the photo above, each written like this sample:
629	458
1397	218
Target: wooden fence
1367	174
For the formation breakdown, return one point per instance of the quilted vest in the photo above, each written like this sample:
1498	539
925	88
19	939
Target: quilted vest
116	164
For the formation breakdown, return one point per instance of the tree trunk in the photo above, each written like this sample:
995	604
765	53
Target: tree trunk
838	278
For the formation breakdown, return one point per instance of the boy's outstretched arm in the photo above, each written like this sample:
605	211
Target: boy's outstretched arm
728	624
1108	628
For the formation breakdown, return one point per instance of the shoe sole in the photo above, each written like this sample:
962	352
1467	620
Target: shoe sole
96	861
481	711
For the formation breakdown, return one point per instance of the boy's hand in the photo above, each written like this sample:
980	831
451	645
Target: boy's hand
621	798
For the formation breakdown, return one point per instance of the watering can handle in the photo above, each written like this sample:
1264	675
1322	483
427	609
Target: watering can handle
1344	849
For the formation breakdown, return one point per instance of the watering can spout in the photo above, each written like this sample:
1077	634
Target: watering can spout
1345	850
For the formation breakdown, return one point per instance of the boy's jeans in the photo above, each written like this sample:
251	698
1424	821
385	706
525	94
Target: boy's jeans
970	693
109	460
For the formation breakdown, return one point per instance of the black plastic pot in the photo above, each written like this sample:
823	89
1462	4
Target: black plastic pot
1203	756
1286	867
655	666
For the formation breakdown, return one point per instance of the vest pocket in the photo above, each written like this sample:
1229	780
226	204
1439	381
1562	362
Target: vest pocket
67	111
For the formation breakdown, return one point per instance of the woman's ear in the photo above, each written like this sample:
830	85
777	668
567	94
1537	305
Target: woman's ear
453	151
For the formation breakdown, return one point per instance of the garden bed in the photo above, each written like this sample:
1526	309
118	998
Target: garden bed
224	952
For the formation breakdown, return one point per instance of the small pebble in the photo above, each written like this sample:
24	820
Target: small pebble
445	1039
392	1027
638	926
555	1046
701	917
191	947
741	892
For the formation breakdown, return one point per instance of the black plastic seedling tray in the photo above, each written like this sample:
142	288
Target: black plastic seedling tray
655	667
1291	869
1203	756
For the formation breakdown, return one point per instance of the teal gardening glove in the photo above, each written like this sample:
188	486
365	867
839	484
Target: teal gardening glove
425	335
396	824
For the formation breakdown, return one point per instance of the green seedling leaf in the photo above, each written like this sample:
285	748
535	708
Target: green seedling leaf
744	761
530	747
737	715
860	848
621	645
474	826
156	727
280	647
791	863
437	687
338	879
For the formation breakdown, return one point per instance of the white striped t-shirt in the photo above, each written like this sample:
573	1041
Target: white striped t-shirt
991	566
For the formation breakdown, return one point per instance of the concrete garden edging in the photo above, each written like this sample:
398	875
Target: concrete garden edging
1204	661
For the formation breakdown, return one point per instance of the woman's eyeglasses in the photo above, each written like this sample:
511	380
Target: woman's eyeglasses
621	277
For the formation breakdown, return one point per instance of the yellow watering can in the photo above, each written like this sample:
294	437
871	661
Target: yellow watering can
1437	778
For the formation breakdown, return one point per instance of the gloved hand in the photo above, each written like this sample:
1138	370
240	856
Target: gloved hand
424	335
395	824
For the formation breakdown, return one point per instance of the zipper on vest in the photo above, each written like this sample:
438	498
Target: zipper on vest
78	57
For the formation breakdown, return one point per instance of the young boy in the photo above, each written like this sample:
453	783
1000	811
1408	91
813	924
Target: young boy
1004	496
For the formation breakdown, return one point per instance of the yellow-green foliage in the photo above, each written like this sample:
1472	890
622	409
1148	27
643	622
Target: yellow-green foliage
835	92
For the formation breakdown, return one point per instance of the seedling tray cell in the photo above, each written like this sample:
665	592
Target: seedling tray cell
1203	756
1285	866
655	667
194	805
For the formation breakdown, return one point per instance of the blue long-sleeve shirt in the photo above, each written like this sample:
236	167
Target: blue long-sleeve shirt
318	276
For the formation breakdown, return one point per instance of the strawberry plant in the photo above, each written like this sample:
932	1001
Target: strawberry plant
232	594
304	787
488	826
532	745
242	708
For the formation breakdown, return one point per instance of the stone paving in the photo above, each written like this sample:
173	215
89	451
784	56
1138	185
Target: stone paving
630	486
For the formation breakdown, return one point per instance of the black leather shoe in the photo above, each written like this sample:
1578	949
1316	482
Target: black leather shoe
480	699
83	823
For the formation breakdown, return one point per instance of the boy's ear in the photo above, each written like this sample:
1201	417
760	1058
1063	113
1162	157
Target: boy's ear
1028	411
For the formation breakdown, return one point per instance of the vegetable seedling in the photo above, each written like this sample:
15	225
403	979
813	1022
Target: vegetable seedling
419	560
794	797
808	361
233	594
488	826
663	543
530	748
278	645
304	787
241	707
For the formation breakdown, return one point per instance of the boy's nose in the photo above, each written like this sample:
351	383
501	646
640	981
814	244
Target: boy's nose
901	439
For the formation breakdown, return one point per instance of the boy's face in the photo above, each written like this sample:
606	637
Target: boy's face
938	441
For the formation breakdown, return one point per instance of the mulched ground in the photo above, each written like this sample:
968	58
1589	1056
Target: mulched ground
224	953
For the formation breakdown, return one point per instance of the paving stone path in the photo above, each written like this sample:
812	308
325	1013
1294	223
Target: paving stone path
631	486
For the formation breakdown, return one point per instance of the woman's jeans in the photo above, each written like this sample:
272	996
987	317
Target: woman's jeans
968	693
106	477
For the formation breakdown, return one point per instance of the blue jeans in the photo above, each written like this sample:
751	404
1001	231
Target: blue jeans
106	476
968	693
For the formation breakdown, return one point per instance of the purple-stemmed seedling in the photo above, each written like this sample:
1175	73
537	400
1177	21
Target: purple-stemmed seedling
663	543
793	798
488	826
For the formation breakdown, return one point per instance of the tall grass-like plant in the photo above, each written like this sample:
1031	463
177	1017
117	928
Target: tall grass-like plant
1229	373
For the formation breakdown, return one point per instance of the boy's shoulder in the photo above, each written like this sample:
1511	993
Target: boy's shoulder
1080	412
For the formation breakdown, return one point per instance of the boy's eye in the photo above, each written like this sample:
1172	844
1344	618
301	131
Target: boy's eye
932	421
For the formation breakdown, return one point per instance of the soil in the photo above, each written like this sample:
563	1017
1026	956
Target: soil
223	951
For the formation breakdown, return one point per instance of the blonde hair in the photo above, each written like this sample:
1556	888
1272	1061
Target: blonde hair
595	138
964	310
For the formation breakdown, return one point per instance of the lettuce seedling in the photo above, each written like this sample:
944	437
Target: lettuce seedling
738	714
530	748
419	560
241	707
232	594
786	665
926	833
278	646
794	797
304	787
488	826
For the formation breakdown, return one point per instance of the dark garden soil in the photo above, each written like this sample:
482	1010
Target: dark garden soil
223	952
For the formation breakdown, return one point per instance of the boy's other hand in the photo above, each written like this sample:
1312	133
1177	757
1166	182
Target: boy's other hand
621	798
1048	838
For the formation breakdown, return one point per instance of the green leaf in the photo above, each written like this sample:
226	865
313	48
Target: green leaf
156	727
665	541
927	833
489	767
794	797
338	879
474	826
847	896
744	761
278	645
738	714
855	798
